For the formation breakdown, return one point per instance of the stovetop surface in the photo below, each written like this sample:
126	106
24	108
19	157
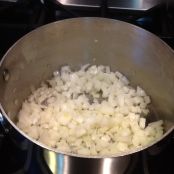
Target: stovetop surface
16	19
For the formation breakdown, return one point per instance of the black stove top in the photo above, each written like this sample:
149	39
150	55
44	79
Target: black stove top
18	17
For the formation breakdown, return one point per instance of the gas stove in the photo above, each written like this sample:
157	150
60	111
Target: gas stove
18	17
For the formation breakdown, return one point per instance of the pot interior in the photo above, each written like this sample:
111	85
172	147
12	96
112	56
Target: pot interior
138	54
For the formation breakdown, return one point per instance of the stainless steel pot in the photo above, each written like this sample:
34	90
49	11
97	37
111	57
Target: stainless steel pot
141	56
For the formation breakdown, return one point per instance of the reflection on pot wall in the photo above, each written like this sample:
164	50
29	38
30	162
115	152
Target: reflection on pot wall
63	164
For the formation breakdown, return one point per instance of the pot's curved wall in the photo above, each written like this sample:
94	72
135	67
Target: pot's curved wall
138	54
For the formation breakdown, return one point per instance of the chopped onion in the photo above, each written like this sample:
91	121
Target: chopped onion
92	111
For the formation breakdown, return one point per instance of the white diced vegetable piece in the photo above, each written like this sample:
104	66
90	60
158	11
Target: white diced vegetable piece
147	99
140	91
142	123
122	146
156	124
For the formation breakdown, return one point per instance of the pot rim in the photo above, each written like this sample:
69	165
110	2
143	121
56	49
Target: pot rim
119	154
